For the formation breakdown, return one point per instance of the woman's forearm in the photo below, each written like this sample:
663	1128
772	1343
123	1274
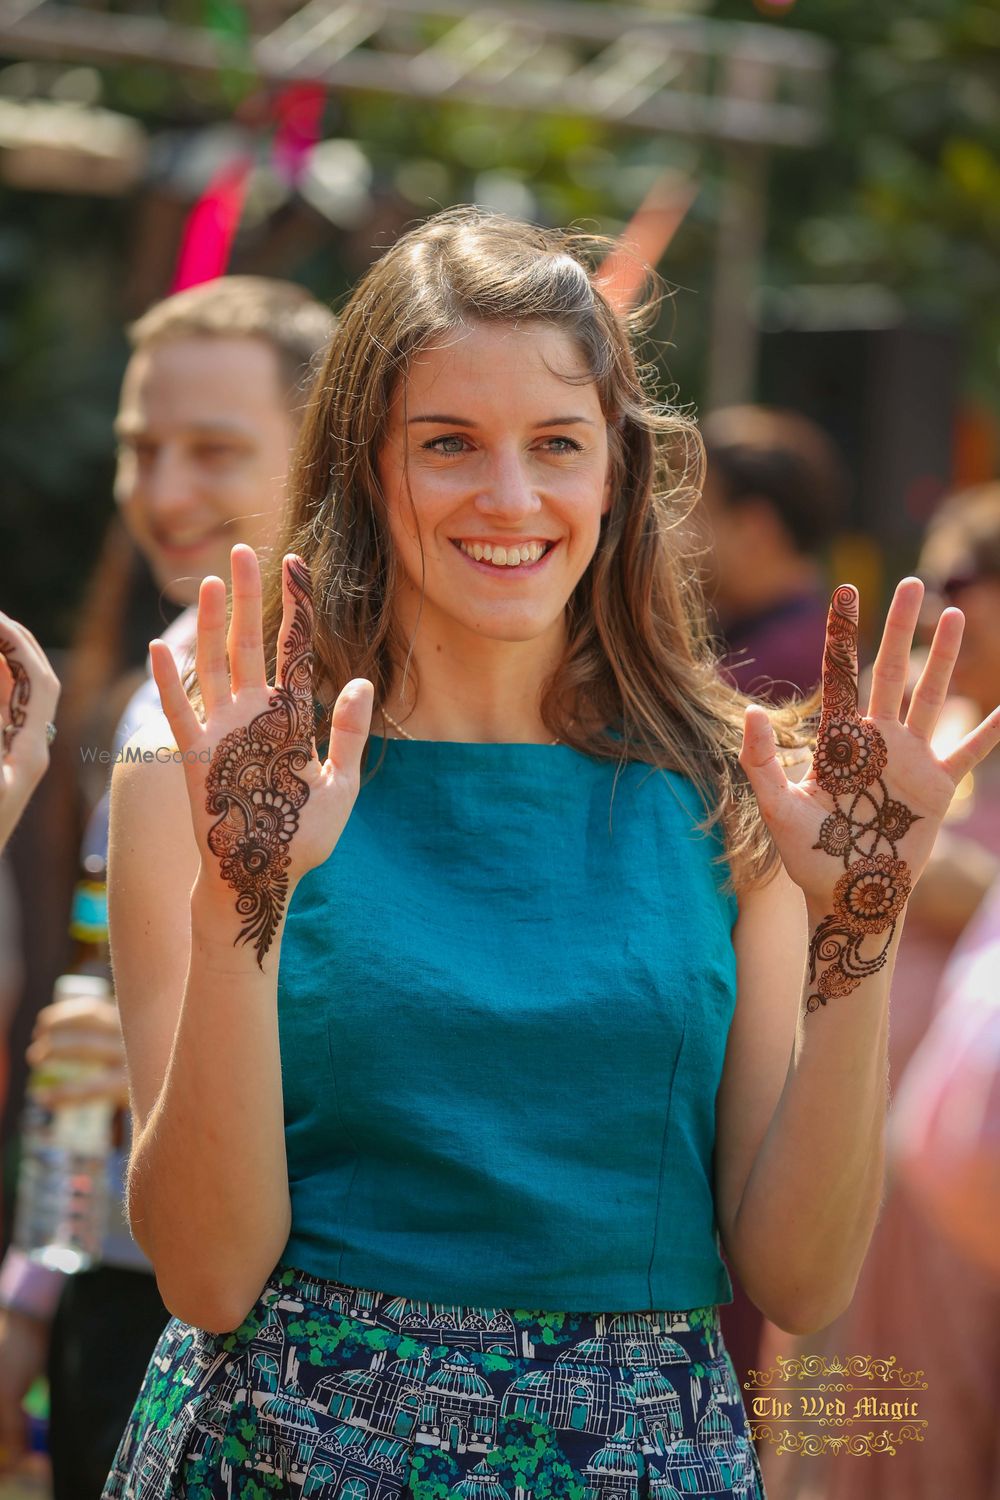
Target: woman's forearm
208	1185
813	1195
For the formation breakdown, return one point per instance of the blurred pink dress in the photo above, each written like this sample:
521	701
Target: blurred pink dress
917	1298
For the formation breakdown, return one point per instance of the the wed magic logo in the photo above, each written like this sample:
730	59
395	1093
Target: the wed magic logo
857	1406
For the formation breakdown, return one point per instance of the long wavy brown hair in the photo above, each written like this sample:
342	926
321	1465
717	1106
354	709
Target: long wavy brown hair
639	659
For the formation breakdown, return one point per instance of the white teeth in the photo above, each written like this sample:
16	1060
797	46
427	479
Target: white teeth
501	557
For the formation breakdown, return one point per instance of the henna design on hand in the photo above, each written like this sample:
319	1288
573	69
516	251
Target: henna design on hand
849	760
252	783
20	694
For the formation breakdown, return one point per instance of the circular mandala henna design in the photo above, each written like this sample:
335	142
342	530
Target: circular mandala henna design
850	755
871	894
835	835
20	694
253	783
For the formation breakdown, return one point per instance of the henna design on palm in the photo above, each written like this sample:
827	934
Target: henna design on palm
867	823
20	694
253	784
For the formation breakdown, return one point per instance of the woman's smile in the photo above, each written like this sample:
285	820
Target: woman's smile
505	559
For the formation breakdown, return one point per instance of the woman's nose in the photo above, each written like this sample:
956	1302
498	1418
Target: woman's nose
509	488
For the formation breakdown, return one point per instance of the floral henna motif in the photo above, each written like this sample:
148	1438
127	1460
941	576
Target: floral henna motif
849	760
870	896
20	694
850	755
252	783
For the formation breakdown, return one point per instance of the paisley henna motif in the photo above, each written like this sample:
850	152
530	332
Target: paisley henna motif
252	783
849	760
20	694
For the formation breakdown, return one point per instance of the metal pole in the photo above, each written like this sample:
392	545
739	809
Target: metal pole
741	231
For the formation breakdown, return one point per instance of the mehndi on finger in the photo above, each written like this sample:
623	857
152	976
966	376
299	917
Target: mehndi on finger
863	830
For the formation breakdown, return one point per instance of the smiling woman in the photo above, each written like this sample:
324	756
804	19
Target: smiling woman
485	1043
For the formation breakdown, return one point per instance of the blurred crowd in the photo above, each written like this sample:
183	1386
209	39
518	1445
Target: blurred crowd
205	430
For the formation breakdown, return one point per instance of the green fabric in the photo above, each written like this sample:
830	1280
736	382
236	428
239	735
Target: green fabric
503	1010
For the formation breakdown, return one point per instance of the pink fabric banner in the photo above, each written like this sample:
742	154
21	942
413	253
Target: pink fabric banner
211	226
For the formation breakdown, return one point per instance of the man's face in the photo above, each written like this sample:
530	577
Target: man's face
204	438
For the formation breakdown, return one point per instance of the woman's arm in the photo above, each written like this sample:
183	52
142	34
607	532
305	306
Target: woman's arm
207	1182
800	1159
800	1120
205	855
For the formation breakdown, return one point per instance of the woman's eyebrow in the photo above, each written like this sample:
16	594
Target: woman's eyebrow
462	422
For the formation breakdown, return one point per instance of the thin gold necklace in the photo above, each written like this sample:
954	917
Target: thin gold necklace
406	734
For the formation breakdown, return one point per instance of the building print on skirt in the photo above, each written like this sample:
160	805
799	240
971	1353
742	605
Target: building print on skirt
329	1392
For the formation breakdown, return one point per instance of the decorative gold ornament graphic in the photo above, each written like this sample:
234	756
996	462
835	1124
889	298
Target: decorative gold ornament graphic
839	1393
855	1444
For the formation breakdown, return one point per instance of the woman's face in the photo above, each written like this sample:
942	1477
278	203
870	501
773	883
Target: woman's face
502	453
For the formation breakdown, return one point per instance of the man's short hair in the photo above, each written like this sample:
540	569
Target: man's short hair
787	459
281	313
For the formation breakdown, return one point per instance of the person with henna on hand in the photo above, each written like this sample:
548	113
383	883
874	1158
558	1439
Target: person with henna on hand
482	971
209	408
29	692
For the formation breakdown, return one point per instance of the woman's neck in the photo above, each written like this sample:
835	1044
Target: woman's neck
490	695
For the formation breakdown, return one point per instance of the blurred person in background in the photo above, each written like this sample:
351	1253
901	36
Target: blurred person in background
208	415
922	1298
945	1136
29	692
104	664
775	493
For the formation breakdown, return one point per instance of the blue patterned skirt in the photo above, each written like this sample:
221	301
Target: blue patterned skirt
333	1392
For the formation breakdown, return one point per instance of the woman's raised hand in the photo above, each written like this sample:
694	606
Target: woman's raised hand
265	808
858	829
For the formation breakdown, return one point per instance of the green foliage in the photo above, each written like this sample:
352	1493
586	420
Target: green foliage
904	193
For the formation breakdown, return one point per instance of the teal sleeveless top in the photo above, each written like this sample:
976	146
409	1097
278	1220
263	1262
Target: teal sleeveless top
503	1009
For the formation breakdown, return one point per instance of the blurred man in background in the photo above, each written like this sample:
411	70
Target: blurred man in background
208	416
775	495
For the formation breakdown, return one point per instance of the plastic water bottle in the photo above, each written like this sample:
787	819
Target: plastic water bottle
63	1200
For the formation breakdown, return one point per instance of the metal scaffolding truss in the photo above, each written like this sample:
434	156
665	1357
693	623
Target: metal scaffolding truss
665	73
